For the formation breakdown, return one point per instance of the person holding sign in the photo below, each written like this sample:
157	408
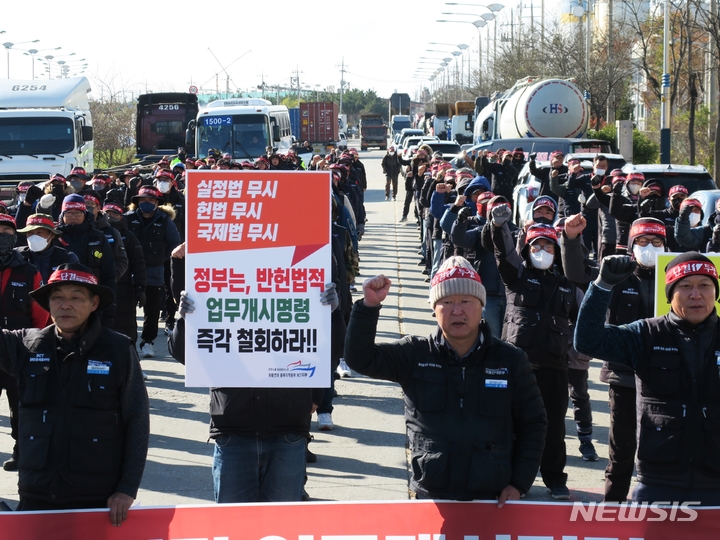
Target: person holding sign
676	360
260	434
473	410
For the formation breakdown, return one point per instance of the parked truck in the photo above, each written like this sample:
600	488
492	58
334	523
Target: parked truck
534	108
161	122
373	131
462	122
319	125
399	113
441	121
342	124
45	128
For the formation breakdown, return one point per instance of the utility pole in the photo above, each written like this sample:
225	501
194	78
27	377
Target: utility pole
610	99
665	101
711	74
342	83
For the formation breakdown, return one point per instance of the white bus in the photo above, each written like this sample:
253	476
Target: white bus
242	128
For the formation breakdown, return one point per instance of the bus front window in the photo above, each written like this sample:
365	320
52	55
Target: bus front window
250	135
244	136
214	132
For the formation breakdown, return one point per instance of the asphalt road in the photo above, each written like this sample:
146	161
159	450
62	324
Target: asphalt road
364	456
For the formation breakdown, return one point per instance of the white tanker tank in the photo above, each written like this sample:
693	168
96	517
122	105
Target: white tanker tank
531	108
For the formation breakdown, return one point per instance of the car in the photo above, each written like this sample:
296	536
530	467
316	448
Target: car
414	141
693	177
342	141
527	188
450	149
542	146
708	198
615	161
409	132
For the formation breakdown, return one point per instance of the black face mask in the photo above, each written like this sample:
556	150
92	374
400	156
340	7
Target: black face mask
7	243
543	220
58	189
675	203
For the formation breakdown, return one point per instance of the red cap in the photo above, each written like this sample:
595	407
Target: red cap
6	219
113	207
678	189
540	230
691	202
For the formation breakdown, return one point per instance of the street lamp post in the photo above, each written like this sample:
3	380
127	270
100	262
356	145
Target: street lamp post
494	8
8	45
33	52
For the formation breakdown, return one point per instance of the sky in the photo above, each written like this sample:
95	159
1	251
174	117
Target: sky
138	46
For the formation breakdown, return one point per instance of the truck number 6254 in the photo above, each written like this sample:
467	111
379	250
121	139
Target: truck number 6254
28	88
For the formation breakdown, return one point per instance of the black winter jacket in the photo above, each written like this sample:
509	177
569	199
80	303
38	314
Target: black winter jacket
476	424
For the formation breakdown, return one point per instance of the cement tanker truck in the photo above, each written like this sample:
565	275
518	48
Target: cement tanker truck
534	108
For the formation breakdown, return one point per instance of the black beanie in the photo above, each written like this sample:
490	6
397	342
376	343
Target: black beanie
704	267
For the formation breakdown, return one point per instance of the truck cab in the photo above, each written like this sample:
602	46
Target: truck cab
45	128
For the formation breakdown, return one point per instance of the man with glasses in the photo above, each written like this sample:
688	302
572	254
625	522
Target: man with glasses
541	303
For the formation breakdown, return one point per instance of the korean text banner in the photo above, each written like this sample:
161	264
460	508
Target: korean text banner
258	255
662	306
377	520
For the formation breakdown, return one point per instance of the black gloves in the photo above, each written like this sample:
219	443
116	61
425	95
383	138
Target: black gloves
685	212
532	156
33	194
463	214
615	269
141	298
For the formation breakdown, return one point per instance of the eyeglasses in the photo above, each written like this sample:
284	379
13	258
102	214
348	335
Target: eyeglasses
536	248
656	242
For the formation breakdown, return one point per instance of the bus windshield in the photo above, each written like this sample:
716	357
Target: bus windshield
36	135
244	136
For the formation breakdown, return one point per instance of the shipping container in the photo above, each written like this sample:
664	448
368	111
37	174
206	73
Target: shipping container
295	122
319	122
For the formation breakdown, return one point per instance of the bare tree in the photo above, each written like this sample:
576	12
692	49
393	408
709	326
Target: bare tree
113	122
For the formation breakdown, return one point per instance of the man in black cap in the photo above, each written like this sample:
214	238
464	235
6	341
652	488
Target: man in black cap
153	226
676	361
84	417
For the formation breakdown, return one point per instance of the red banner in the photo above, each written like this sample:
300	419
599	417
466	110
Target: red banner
408	520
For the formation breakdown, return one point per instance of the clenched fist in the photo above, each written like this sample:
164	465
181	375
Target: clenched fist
375	290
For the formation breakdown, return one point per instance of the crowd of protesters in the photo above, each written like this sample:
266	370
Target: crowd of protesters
595	232
536	271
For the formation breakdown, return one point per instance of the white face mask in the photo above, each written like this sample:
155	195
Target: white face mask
647	255
391	153
37	243
633	188
694	220
600	172
542	260
163	186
